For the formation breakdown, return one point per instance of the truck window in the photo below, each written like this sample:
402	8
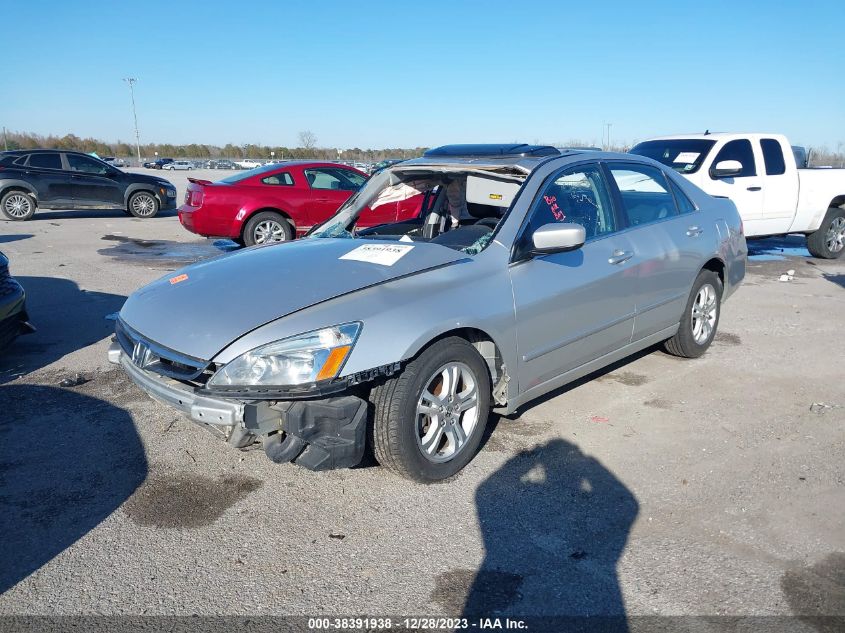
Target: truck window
772	157
739	150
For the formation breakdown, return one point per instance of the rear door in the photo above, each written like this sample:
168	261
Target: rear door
746	189
575	306
93	182
667	244
780	186
51	182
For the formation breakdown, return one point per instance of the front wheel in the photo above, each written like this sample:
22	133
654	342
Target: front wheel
429	420
267	227
18	205
700	319
143	205
828	242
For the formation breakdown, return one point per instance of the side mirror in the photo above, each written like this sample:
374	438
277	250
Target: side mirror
554	238
726	169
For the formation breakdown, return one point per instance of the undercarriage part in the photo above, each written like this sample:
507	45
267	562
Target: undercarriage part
282	447
333	431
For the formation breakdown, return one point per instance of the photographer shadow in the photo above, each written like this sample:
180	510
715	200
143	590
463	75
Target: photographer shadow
555	522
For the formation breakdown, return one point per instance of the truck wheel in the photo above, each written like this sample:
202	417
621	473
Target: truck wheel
828	242
700	319
18	205
429	420
267	227
143	205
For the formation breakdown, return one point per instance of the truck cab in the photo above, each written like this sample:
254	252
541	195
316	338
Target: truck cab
758	172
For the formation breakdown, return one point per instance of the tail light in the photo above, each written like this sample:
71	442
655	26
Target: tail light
194	197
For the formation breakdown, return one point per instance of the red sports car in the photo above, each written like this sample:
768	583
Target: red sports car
276	202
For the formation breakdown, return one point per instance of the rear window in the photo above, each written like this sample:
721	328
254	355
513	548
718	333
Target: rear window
248	174
684	155
283	178
48	161
772	157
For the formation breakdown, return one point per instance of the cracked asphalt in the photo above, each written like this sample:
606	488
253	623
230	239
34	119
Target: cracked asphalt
660	486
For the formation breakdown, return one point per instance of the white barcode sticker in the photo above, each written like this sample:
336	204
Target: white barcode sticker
384	254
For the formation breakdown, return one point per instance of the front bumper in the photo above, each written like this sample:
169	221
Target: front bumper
329	432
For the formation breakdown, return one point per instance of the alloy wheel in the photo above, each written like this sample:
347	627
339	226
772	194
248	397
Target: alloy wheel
18	205
143	204
447	412
268	231
704	314
835	237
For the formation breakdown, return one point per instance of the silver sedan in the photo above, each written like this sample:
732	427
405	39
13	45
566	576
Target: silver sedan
493	275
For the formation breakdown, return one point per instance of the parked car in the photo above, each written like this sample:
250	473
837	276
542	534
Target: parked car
384	164
53	179
759	173
158	163
181	165
247	163
114	162
13	317
272	204
220	163
408	333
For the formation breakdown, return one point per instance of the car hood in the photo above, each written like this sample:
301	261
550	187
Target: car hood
154	180
201	309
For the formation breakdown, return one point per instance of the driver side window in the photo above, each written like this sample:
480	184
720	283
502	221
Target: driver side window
578	195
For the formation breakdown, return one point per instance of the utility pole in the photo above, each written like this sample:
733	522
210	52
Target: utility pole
132	81
608	135
5	139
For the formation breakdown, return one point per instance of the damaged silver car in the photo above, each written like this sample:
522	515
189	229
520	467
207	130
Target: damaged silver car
524	268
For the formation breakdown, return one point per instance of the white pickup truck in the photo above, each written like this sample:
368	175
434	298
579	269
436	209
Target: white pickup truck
758	173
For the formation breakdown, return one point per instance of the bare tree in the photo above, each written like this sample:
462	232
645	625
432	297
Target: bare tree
308	139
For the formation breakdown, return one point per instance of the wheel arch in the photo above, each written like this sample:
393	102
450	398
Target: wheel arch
717	266
137	187
17	185
838	201
249	215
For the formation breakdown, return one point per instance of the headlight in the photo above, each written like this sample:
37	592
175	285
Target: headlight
302	359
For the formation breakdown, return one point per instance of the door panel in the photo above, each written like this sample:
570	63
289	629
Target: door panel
571	308
746	190
780	188
91	183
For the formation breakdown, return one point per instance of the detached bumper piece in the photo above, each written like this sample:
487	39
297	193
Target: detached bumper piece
333	432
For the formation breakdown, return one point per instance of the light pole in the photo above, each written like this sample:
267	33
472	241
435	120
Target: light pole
132	81
609	125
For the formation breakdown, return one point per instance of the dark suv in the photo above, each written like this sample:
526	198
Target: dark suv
55	179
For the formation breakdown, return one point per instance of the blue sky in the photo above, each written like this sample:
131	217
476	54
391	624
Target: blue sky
392	74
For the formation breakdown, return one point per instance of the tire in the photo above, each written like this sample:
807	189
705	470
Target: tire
416	445
18	205
267	227
828	242
142	204
695	335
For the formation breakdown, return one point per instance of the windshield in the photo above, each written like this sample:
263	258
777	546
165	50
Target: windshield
458	207
682	155
250	173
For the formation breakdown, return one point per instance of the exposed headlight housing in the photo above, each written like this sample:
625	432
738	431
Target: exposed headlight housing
303	359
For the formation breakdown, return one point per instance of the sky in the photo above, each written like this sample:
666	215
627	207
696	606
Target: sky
374	74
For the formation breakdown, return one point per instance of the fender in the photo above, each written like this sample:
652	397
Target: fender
142	186
13	183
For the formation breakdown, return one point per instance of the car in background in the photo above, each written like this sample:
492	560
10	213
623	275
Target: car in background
158	163
179	165
220	163
275	203
13	317
114	162
248	163
55	179
406	338
384	164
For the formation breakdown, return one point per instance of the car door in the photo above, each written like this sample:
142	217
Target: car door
746	189
576	306
780	187
667	244
44	169
93	183
329	190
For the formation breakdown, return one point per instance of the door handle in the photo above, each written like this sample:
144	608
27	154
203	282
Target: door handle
619	256
694	231
754	188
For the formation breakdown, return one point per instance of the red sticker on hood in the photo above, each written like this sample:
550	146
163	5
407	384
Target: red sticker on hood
178	278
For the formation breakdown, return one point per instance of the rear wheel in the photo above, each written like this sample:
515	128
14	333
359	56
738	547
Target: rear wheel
267	227
700	319
18	205
429	420
828	242
143	205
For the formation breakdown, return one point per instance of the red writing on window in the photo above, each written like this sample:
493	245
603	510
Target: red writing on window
554	208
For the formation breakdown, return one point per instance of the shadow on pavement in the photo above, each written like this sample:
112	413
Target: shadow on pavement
67	318
14	238
839	280
50	214
67	461
555	522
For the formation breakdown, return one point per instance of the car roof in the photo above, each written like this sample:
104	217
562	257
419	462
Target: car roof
714	136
